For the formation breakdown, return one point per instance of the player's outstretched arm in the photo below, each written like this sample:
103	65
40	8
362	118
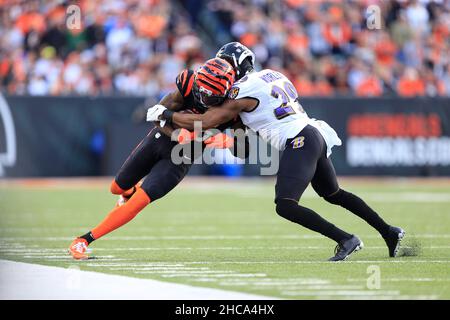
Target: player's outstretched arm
214	117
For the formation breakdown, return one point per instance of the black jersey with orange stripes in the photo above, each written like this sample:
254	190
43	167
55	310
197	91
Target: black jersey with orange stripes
185	82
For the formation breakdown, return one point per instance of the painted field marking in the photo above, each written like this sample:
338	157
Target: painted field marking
112	258
92	264
212	237
65	257
403	279
380	295
186	272
220	275
341	293
38	251
172	268
289	287
255	281
309	287
287	281
29	281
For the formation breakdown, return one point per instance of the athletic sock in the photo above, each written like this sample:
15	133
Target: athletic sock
121	215
116	189
358	207
88	237
307	218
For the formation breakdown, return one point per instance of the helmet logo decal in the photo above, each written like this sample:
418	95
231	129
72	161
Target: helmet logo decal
203	89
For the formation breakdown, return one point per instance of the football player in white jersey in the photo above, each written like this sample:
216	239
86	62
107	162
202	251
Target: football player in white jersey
268	104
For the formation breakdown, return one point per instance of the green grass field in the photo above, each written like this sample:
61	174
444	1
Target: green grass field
226	234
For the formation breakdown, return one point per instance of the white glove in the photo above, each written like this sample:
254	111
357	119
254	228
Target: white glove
154	113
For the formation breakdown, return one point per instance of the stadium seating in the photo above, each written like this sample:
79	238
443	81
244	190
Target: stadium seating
137	47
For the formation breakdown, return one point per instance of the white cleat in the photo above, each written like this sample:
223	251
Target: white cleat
121	201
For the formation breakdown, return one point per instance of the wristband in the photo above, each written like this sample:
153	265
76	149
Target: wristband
167	115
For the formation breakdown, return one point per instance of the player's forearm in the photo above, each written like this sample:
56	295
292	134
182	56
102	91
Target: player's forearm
188	121
172	101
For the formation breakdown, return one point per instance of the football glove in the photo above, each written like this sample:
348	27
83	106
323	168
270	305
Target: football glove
185	136
219	141
154	114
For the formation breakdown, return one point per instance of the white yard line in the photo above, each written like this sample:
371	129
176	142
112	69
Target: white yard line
216	237
29	281
43	251
317	262
53	253
403	279
358	293
145	264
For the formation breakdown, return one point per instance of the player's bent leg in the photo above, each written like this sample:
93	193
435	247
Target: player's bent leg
138	164
391	235
297	168
122	215
115	219
164	176
325	181
124	195
292	211
357	206
115	188
326	185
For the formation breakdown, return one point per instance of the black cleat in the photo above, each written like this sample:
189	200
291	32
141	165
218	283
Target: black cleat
395	235
345	248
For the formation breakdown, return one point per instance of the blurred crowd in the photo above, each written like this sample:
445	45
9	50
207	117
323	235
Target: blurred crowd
131	47
328	48
137	47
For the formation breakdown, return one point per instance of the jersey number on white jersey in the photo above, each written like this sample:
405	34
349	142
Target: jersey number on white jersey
289	100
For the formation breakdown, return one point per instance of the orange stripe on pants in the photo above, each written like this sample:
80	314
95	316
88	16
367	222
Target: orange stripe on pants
115	189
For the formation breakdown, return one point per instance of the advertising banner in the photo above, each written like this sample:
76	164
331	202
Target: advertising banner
82	136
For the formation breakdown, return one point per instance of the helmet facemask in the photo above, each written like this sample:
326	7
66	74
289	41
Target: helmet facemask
212	82
205	97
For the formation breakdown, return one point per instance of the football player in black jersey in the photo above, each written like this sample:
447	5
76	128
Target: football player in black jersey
304	159
152	157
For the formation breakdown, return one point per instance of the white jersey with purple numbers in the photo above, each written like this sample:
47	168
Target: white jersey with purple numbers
278	115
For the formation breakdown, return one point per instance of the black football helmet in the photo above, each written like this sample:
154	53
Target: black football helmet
239	56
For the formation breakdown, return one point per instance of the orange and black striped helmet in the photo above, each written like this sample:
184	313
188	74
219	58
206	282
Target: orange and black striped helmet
212	82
